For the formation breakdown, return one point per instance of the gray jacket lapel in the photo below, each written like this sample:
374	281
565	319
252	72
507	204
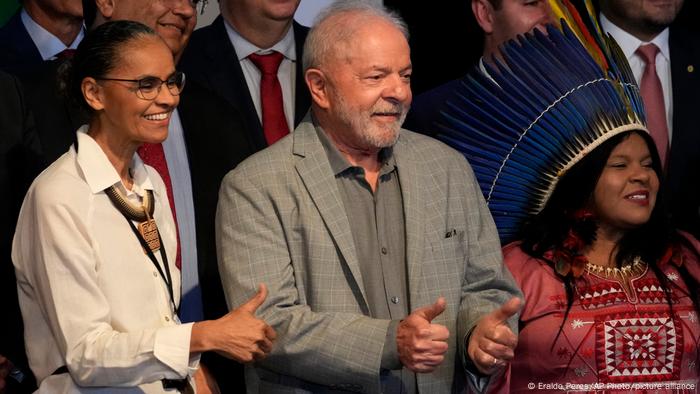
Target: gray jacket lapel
316	173
411	177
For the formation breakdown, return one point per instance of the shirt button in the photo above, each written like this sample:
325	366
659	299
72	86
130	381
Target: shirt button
155	274
384	250
395	299
167	318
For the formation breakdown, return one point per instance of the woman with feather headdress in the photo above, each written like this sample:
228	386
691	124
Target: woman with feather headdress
556	135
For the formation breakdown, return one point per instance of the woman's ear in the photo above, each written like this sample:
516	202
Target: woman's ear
92	93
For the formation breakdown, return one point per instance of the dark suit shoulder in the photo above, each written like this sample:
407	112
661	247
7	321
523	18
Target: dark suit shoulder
425	109
213	127
18	53
684	163
206	43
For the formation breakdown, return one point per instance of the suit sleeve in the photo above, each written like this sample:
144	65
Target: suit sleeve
487	283
339	350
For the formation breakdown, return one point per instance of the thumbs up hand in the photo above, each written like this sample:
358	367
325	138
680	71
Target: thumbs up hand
492	343
421	344
238	335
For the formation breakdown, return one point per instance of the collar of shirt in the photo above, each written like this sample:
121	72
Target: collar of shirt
245	48
99	171
48	45
482	68
629	43
339	163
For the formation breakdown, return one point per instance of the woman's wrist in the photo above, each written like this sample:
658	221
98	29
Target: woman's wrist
200	339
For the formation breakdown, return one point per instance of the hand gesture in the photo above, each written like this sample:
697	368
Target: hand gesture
492	343
421	344
238	334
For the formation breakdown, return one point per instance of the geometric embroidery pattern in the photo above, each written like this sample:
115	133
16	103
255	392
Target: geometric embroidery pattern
649	291
609	293
638	347
601	295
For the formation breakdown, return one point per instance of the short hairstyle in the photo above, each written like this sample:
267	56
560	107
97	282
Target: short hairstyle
97	55
497	4
324	36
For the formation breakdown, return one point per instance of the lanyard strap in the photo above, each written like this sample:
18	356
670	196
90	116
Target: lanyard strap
165	276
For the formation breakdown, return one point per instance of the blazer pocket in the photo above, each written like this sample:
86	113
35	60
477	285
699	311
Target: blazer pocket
448	245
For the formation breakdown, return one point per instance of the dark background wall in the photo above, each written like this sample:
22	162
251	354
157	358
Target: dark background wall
7	8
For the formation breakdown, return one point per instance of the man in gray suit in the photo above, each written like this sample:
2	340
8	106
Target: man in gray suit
353	223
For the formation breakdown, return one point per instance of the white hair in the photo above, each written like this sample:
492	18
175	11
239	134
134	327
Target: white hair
324	36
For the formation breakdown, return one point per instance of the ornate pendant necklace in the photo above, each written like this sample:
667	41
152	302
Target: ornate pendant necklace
142	214
636	268
147	232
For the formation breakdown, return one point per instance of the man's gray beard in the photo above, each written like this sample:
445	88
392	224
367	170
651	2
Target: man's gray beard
363	127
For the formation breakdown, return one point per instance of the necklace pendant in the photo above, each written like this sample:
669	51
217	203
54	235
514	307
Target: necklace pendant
149	232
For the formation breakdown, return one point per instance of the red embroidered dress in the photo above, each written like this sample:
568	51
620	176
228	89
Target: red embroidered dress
612	341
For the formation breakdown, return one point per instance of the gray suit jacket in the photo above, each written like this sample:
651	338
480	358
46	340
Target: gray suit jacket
281	221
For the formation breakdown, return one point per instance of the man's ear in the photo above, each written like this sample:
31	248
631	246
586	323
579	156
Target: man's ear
483	13
105	8
92	93
318	86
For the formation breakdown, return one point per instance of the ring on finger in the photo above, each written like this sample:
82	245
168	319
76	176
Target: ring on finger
495	362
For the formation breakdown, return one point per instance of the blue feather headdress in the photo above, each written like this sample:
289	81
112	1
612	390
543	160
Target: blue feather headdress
548	101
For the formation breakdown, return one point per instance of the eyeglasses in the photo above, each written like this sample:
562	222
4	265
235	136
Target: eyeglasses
149	87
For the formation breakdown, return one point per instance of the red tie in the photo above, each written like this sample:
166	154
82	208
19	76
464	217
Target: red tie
653	96
65	54
273	121
154	156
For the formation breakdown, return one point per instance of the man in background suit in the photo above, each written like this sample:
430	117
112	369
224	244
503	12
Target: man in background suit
20	162
353	223
634	23
218	58
41	30
500	20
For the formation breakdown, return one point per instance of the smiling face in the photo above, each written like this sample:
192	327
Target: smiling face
173	20
368	87
625	194
126	117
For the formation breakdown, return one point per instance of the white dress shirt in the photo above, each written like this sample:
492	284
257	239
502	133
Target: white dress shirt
629	45
91	299
49	46
286	72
